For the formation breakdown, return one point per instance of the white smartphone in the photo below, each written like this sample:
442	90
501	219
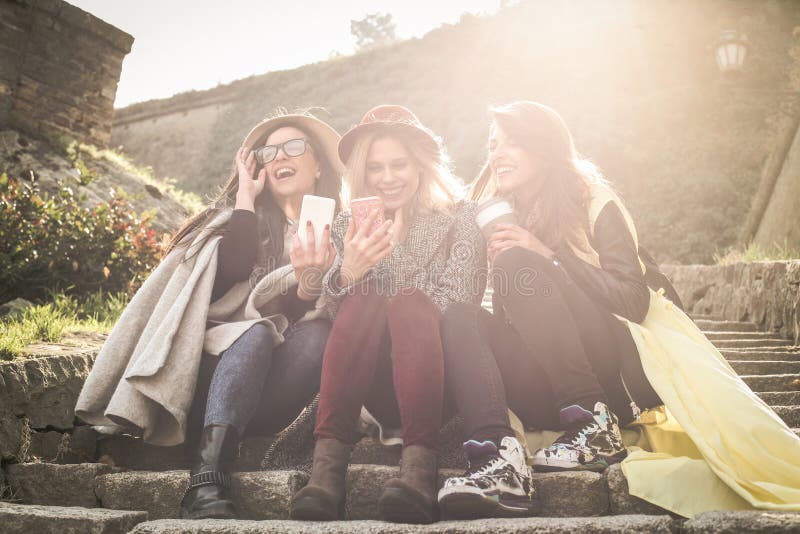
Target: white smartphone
318	210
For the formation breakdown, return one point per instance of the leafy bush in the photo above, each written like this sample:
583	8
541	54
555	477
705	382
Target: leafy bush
51	242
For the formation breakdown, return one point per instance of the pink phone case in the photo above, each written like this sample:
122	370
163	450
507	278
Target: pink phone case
363	207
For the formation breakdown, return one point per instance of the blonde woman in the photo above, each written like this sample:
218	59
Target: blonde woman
387	290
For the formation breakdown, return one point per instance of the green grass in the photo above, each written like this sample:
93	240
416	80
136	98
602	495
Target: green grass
75	151
753	253
50	321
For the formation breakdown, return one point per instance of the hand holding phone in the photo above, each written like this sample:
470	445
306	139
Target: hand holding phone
361	208
318	211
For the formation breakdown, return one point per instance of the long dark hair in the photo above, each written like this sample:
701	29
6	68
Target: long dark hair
559	213
269	215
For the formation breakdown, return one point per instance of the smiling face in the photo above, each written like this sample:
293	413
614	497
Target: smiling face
514	169
391	173
291	177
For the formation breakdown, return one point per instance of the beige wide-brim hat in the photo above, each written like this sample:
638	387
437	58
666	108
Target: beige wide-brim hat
322	133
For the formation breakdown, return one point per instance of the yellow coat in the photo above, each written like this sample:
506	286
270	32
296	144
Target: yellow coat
714	445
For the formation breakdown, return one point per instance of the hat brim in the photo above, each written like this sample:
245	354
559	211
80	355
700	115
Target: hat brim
322	133
348	140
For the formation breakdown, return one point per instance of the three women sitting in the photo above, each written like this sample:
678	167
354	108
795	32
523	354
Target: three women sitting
402	287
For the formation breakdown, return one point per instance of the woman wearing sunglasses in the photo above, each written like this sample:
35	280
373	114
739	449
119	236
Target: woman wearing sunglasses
238	286
387	289
579	343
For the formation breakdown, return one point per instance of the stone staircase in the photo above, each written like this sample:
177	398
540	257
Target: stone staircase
134	487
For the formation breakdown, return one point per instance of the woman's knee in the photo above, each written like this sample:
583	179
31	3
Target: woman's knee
458	317
307	340
519	270
413	303
255	340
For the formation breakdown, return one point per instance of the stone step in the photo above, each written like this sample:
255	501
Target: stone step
266	494
772	382
789	414
258	494
705	523
781	398
27	518
541	525
707	325
742	522
768	355
55	484
744	367
705	317
751	343
719	336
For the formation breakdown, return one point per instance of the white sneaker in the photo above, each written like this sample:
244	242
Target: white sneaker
497	483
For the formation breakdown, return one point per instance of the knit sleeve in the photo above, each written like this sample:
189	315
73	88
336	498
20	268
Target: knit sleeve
332	292
463	278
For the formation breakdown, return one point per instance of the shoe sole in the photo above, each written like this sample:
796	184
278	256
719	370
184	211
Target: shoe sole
395	505
303	510
221	511
478	506
599	466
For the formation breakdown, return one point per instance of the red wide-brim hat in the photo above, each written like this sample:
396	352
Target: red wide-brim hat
388	118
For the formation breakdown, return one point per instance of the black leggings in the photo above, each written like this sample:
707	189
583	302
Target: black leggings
555	348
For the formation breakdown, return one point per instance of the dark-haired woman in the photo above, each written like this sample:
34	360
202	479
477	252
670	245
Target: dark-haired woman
237	286
578	342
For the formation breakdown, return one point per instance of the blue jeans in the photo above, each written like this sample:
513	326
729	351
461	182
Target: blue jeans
260	389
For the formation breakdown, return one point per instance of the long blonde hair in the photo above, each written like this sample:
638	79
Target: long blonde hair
559	213
439	189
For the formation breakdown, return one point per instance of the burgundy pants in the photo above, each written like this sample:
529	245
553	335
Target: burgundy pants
384	353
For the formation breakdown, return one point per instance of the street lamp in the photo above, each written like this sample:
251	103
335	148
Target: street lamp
731	50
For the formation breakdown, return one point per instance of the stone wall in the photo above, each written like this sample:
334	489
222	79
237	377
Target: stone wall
59	68
780	224
37	408
766	293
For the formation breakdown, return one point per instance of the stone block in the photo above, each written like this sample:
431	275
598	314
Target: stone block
44	390
23	518
54	484
258	495
12	432
622	502
743	523
157	493
266	494
539	525
572	494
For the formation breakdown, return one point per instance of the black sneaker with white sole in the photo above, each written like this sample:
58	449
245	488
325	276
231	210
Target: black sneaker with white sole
591	443
497	483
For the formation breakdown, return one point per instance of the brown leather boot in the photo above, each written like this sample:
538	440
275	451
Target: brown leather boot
323	498
411	498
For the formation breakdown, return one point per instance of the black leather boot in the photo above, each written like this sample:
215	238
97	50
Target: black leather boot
209	482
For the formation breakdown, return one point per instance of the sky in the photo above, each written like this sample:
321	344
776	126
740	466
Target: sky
182	45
